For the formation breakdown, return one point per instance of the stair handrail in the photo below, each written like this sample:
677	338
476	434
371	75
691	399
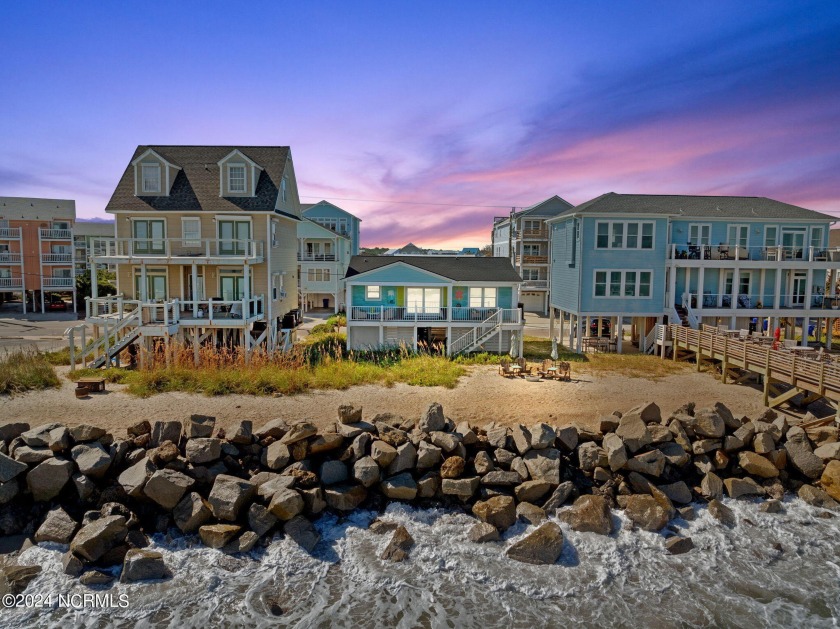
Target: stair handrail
132	317
477	333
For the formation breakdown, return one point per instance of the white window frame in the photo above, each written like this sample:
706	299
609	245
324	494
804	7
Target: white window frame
623	286
188	240
318	275
431	300
144	179
230	188
613	237
531	249
274	242
484	296
528	273
699	238
373	293
816	229
283	189
738	229
775	229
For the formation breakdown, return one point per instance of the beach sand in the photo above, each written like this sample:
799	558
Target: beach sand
480	397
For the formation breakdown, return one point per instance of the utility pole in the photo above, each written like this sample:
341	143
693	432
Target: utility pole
510	237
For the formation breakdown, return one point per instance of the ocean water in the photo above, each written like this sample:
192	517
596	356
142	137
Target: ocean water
777	570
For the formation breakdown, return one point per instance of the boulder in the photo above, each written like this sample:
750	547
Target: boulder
32	455
95	539
203	450
200	426
452	467
763	443
275	429
166	487
359	446
228	495
85	432
497	437
633	431
390	435
218	535
542	547
708	423
543	465
559	496
57	527
530	513
326	442
428	485
302	532
483	532
521	438
333	472
47	479
677	492
242	432
591	455
345	497
429	455
757	465
721	513
651	463
9	468
799	453
143	565
9	490
286	503
829	451
711	486
771	506
135	477
405	460
462	488
500	511
659	433
261	520
349	414
646	512
366	471
11	429
276	456
567	437
817	497
165	431
468	436
14	579
71	565
518	466
191	512
739	487
382	453
399	546
677	545
613	445
830	479
501	478
399	487
482	462
589	514
432	419
298	432
532	490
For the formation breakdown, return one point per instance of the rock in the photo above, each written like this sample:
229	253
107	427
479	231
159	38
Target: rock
731	443
589	514
432	419
95	577
275	429
218	535
763	443
428	485
646	512
799	453
134	479
712	486
680	435
830	479
543	465
302	532
633	432
704	446
9	468
191	513
139	429
405	460
228	495
57	527
85	432
521	438
817	497
828	451
260	519
518	466
501	478
468	436
677	492
399	487
771	506
345	497
242	432
47	479
12	429
359	445
30	455
677	545
95	539
651	463
559	497
482	462
462	488
616	453
497	437
366	471
349	414
202	450
660	434
532	490
286	503
687	513
390	435
200	426
382	453
739	487
530	513
452	467
399	546
14	579
298	432
755	464
591	455
726	415
707	423
71	565
8	491
721	513
429	455
567	437
380	526
243	544
483	532
542	547
165	431
166	487
326	442
276	456
500	511
143	565
333	472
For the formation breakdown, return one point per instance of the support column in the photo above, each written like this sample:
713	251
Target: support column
777	289
144	288
672	288
701	279
829	334
551	323
619	330
562	325
578	334
195	291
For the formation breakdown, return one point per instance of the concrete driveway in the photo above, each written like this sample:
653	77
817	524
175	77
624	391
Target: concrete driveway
42	331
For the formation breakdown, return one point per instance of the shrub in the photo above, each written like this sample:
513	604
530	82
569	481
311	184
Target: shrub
22	371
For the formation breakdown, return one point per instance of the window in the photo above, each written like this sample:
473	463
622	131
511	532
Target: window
155	285
647	235
372	293
283	189
191	229
148	236
482	298
150	174
602	240
423	300
699	234
236	178
234	237
624	235
232	287
319	275
530	274
632	235
771	236
816	237
617	235
738	235
5	273
273	233
531	250
621	284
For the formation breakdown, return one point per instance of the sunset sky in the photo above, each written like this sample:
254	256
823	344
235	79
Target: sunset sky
426	119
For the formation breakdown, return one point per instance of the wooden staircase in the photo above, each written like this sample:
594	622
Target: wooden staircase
683	313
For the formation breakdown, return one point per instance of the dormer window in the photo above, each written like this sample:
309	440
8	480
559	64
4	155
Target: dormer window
236	178
283	189
151	177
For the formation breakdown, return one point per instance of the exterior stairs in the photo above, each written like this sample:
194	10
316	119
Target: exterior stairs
478	335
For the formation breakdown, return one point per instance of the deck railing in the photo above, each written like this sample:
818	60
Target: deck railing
56	258
178	248
10	282
316	257
775	253
409	314
9	233
8	257
744	301
58	282
56	234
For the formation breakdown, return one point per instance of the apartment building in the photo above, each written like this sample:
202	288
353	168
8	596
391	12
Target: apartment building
36	253
523	238
205	246
92	238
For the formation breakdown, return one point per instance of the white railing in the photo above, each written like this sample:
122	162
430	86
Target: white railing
649	341
535	284
165	313
9	257
11	282
178	247
113	307
58	282
210	310
10	232
409	314
743	301
479	333
508	315
57	234
53	258
316	257
776	253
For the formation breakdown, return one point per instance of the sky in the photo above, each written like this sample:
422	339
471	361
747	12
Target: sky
427	119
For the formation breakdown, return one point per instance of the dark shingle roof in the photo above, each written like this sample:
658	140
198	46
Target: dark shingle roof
460	269
552	206
696	206
196	186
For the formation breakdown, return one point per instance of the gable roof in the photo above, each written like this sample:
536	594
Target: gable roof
196	186
552	206
305	207
695	206
327	232
457	268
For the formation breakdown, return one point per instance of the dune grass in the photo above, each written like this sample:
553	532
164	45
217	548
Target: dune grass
24	370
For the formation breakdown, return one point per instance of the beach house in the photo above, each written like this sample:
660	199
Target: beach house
458	304
205	246
327	238
638	260
522	237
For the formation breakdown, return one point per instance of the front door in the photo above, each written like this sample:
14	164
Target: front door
155	287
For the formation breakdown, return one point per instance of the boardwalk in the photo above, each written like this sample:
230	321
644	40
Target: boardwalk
785	375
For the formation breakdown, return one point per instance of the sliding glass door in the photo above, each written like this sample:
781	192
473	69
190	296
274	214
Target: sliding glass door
233	237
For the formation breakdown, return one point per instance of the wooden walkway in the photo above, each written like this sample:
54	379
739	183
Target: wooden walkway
785	375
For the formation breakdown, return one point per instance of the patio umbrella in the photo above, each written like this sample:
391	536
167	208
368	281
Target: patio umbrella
554	354
514	346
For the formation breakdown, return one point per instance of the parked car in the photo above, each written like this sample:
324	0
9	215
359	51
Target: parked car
605	327
55	302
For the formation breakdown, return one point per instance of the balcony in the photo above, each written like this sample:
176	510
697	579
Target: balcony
11	283
8	257
776	253
56	258
404	314
535	234
9	233
56	234
316	257
532	284
58	282
719	301
178	250
529	259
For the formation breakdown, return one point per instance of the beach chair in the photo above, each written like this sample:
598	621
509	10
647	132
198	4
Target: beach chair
523	367
564	371
505	368
547	369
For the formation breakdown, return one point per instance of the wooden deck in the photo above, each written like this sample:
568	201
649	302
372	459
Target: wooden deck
785	375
